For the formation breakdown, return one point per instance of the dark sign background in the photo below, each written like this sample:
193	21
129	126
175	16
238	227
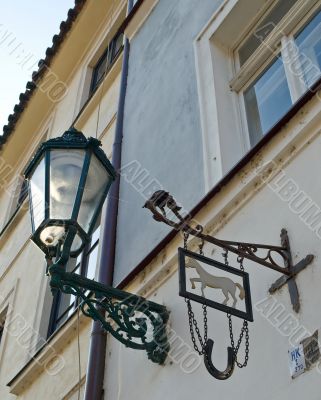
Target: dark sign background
227	274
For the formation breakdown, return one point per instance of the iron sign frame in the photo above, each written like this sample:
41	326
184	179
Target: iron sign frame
183	292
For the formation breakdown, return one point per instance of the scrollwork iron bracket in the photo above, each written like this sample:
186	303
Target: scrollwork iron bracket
165	209
134	321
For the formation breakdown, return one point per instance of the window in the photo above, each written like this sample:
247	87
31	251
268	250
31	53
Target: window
64	305
18	190
291	65
267	100
106	61
255	59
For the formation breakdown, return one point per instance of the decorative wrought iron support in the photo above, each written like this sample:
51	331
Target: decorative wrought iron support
161	200
134	321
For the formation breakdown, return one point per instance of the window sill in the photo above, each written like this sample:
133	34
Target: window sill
54	346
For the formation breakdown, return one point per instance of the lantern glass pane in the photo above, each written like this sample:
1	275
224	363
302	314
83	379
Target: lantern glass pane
97	180
65	171
37	189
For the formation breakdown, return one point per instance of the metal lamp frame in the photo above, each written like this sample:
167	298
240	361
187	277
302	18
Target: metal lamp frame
70	140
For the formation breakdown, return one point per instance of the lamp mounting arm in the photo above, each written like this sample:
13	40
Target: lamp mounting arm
134	321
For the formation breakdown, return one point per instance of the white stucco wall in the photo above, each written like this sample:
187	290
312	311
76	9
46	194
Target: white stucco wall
251	211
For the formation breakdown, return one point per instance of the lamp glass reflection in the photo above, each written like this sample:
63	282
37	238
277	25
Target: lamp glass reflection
94	189
37	191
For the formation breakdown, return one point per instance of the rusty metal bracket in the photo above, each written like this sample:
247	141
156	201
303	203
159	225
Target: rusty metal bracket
165	209
294	269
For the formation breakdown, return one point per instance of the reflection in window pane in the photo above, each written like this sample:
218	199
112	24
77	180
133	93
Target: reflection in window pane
267	100
65	171
66	306
118	44
85	265
94	190
92	263
101	68
309	45
264	28
96	233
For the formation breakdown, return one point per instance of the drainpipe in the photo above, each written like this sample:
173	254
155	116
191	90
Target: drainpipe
94	388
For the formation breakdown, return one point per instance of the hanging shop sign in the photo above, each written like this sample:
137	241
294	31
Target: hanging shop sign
219	286
199	275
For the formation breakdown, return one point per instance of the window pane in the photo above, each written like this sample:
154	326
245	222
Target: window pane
118	44
96	234
65	171
92	263
267	100
37	188
265	27
67	301
85	265
309	44
106	60
95	186
101	68
99	71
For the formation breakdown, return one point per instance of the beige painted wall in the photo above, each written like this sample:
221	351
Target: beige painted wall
23	283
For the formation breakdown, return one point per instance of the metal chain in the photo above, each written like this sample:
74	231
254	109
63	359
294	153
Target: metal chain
245	327
225	256
193	326
244	330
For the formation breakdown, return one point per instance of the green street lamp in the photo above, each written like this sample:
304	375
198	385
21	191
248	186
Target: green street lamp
68	180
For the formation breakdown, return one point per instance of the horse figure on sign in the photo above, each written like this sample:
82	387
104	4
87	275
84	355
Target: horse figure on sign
227	286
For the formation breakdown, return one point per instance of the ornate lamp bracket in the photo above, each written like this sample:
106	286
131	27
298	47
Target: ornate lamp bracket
165	209
134	321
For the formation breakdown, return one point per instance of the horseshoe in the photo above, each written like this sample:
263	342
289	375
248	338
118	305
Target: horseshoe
221	375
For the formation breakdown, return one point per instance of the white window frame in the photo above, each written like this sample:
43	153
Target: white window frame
223	117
